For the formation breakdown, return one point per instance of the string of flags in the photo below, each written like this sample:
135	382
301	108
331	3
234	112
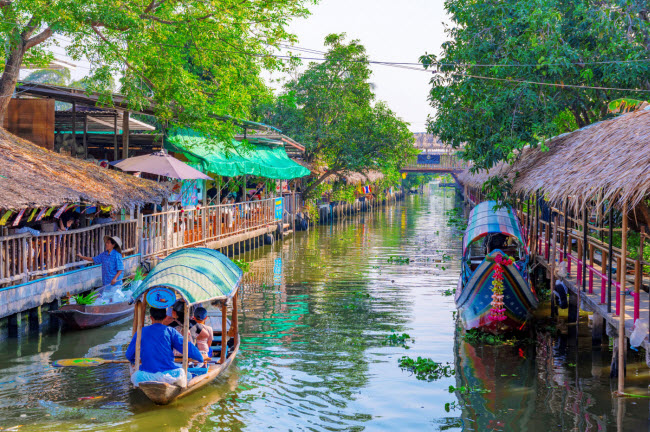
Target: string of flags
37	214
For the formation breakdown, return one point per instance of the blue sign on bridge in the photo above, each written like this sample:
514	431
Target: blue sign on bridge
430	159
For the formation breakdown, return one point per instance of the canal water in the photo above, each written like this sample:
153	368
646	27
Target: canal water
317	312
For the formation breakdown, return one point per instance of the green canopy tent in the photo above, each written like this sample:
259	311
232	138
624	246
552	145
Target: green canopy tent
261	159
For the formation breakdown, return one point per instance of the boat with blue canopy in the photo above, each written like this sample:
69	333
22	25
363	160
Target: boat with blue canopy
494	293
194	276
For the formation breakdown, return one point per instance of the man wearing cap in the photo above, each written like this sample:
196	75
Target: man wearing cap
157	346
111	261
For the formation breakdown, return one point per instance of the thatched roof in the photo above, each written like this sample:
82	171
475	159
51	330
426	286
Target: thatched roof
355	178
611	157
31	176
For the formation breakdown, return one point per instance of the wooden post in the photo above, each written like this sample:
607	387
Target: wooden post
585	240
553	253
125	134
85	140
116	155
536	223
235	319
34	319
610	256
73	150
622	343
224	332
638	275
186	329
139	316
139	234
566	230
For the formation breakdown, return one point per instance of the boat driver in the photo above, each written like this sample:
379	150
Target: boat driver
157	346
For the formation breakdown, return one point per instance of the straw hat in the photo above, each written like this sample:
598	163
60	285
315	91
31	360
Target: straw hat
117	241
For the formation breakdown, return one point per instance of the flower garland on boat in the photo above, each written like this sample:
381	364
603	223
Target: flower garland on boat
497	313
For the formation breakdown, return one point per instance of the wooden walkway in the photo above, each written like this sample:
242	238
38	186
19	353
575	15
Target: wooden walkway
598	296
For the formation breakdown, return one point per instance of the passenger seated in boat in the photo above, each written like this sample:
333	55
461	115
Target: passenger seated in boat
157	346
202	333
177	319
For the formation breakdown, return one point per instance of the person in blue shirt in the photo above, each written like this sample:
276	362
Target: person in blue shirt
111	261
157	345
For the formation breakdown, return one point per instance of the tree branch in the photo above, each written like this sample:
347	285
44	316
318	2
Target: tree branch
126	62
39	38
153	6
29	29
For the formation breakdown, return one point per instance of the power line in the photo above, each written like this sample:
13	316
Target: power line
515	81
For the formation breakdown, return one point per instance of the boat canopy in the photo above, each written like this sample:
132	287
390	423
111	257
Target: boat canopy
260	158
197	274
486	219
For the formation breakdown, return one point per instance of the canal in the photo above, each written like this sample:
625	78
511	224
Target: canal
317	313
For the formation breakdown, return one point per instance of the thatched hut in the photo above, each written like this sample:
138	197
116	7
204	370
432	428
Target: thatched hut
31	176
605	161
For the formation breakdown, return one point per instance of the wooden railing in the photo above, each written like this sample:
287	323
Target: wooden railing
167	231
24	256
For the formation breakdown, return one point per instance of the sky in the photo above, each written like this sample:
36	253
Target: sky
397	31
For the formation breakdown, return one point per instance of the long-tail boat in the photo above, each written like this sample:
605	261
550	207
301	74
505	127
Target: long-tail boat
81	317
493	291
196	275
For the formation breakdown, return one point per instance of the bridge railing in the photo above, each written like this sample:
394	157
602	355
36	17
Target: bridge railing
437	162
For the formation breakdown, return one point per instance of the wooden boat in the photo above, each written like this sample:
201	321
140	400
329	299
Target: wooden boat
493	291
195	275
80	317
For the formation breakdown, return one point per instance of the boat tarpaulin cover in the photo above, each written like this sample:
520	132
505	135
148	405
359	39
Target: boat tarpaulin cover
237	159
485	219
197	274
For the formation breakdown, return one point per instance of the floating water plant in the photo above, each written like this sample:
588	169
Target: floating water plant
399	260
456	219
449	292
467	390
398	339
244	266
453	406
426	369
476	336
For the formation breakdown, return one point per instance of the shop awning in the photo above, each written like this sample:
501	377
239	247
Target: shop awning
256	159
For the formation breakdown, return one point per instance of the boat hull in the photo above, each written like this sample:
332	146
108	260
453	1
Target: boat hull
81	317
164	394
474	298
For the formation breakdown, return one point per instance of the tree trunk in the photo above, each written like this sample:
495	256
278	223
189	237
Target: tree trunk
321	179
9	79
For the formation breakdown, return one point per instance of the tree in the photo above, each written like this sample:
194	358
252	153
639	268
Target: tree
147	43
558	42
331	109
49	76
